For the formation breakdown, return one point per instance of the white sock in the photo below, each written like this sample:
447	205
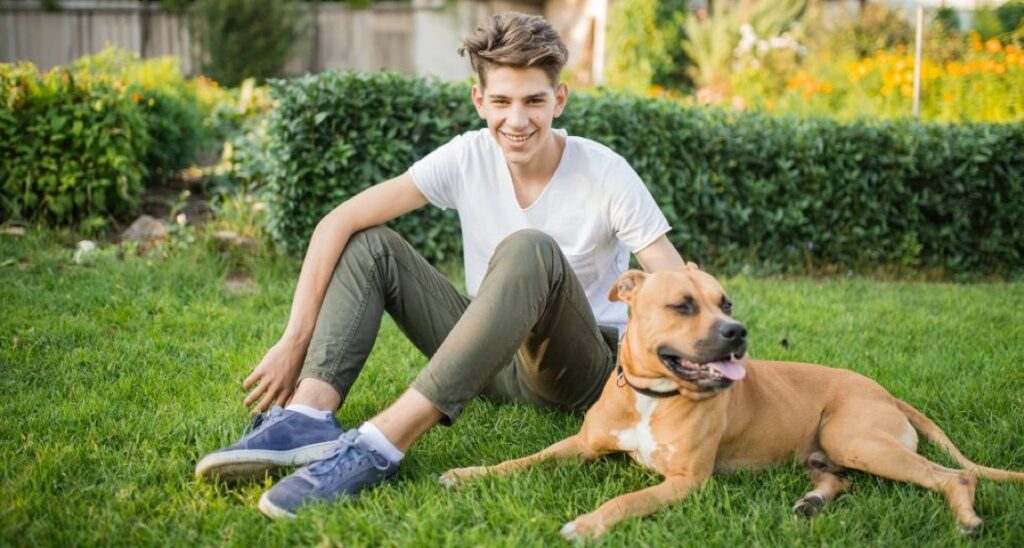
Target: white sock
309	411
381	443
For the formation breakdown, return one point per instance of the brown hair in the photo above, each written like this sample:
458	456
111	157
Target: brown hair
516	40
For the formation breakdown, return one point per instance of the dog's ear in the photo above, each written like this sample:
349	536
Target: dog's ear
690	265
626	285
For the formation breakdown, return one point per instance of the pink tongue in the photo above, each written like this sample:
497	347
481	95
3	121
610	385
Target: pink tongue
732	370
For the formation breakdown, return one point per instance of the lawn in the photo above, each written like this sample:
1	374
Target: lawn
118	375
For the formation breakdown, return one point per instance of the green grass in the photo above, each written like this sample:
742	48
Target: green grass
116	377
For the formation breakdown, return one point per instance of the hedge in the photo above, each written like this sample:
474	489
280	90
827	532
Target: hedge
780	194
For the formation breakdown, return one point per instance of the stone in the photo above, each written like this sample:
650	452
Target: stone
145	229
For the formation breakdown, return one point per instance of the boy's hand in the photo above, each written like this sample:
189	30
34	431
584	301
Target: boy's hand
274	378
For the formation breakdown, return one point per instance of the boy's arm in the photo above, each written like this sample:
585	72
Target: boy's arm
660	255
279	369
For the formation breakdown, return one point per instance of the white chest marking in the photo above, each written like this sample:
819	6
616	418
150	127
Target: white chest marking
639	439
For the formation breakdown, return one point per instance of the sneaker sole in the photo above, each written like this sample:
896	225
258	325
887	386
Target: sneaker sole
248	463
271	511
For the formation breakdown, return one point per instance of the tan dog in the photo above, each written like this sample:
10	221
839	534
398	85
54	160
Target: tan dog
674	405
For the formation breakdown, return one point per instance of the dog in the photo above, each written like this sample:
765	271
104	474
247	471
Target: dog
685	401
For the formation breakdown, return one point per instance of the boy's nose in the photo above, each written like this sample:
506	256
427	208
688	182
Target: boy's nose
517	118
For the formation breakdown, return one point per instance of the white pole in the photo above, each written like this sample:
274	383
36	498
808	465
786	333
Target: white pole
917	62
600	23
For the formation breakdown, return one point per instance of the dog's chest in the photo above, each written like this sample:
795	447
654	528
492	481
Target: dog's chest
639	439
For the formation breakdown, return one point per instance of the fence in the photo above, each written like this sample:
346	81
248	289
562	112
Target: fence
418	38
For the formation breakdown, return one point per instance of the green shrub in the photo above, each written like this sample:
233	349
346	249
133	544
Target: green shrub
71	149
644	46
173	114
782	194
335	134
246	38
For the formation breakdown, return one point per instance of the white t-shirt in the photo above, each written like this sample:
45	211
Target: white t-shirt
595	207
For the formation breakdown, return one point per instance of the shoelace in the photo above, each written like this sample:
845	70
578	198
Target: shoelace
261	420
349	453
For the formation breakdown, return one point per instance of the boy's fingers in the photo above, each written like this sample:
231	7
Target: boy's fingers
255	394
247	383
264	404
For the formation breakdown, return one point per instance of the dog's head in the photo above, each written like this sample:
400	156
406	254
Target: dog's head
681	328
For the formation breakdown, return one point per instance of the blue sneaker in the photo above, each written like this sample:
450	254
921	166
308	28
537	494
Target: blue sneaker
274	439
350	466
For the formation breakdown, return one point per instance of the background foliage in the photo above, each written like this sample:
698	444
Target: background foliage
79	143
643	45
71	149
246	38
739	188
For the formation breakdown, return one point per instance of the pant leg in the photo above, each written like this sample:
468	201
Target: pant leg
529	335
378	271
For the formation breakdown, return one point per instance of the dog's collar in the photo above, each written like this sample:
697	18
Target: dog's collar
645	391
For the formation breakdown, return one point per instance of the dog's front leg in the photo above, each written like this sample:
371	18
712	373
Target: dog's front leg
573	446
639	503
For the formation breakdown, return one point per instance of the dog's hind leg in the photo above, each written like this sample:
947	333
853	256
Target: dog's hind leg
828	485
871	440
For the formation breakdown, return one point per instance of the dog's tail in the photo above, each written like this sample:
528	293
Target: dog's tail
932	431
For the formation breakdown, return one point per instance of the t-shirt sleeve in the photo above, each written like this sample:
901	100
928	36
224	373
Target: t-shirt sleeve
635	217
438	176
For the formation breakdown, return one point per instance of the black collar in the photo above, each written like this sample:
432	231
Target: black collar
645	391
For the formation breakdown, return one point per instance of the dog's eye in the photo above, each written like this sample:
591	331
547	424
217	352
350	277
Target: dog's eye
727	306
686	308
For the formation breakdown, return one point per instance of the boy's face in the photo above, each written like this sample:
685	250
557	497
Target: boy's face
519	105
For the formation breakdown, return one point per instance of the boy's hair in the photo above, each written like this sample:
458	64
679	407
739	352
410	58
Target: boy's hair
516	40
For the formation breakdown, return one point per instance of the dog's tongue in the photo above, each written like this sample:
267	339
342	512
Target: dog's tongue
730	369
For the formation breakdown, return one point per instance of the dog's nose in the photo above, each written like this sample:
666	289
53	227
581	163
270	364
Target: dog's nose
733	331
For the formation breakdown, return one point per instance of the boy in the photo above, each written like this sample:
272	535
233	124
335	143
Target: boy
548	222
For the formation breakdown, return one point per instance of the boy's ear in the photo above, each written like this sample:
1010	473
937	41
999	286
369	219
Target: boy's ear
561	98
625	287
478	99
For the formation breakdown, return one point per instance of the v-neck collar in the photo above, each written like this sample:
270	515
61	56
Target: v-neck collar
555	176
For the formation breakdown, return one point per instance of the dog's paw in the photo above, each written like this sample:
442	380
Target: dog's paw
569	532
809	506
457	476
582	528
971	530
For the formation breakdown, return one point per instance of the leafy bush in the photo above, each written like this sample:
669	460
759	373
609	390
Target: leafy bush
71	149
644	38
174	115
780	193
246	38
335	134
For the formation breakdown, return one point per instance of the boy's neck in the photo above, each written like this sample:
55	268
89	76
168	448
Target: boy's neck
536	174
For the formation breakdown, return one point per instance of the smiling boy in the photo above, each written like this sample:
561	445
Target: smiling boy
548	222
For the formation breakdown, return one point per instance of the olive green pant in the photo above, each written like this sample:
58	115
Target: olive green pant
528	336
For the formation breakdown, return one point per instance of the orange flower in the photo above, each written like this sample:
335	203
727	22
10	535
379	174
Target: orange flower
993	46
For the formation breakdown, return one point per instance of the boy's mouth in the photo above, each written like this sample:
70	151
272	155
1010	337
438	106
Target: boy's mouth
518	138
